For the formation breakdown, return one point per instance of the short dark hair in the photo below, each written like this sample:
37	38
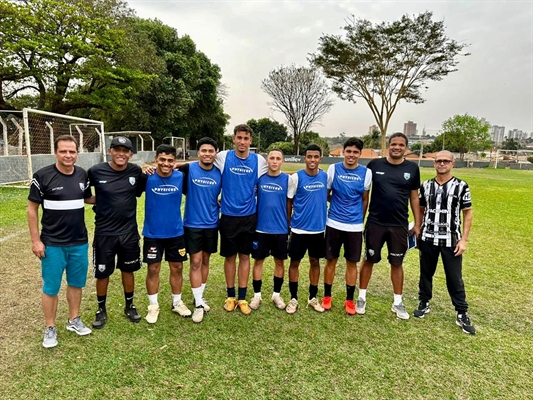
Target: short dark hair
206	140
399	134
354	142
242	128
276	149
313	147
165	148
66	138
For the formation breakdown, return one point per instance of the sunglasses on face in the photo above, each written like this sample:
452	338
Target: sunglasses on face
445	162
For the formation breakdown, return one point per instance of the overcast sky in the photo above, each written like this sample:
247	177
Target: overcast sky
249	38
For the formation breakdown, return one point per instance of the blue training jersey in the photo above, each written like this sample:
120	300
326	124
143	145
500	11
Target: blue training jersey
310	203
239	178
203	189
347	189
162	207
272	204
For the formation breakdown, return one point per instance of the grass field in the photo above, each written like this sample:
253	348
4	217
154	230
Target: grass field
272	355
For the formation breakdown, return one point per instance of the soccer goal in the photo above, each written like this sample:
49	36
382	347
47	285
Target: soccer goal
516	159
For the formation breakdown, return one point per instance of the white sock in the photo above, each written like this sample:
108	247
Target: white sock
203	288
258	294
362	294
397	299
176	298
275	294
197	293
152	298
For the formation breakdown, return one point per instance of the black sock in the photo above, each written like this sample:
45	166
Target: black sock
313	291
231	291
350	290
278	283
129	299
293	288
327	290
242	293
101	301
257	285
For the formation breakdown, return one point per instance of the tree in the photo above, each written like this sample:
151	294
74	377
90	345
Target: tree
266	132
387	62
372	140
510	144
463	134
301	95
285	147
63	53
310	137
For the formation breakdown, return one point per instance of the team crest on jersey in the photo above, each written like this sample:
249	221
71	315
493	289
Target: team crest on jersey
132	180
101	267
82	185
182	252
406	175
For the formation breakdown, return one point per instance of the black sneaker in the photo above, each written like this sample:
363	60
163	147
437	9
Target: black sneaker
100	319
132	314
464	322
422	310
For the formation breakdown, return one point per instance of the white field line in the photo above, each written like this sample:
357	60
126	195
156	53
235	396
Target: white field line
13	235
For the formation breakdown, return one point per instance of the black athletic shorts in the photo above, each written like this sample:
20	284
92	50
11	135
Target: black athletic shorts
313	243
395	237
266	244
201	239
236	234
124	247
352	242
174	249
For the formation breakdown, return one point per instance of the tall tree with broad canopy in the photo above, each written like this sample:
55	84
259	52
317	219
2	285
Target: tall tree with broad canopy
64	53
266	132
387	62
463	134
301	94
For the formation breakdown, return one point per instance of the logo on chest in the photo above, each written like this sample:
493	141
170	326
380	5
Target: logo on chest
242	170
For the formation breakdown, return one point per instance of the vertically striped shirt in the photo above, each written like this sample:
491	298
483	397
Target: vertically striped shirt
441	223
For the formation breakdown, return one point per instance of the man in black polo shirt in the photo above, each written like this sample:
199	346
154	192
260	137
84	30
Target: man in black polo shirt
395	183
117	185
60	189
442	199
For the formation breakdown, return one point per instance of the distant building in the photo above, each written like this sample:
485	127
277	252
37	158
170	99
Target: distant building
409	128
516	134
373	128
497	133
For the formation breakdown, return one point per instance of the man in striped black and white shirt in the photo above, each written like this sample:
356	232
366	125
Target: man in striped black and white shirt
442	200
61	190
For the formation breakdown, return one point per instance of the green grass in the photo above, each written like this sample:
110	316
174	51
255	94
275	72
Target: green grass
271	355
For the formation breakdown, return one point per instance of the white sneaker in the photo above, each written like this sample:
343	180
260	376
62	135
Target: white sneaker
400	311
181	309
360	306
255	303
315	305
278	302
76	325
292	306
206	306
153	313
50	337
198	314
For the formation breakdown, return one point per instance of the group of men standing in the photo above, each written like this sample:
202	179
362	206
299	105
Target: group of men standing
263	212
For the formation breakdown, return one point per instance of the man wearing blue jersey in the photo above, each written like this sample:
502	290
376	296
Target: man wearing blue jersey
202	184
240	172
272	228
163	231
348	188
308	198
